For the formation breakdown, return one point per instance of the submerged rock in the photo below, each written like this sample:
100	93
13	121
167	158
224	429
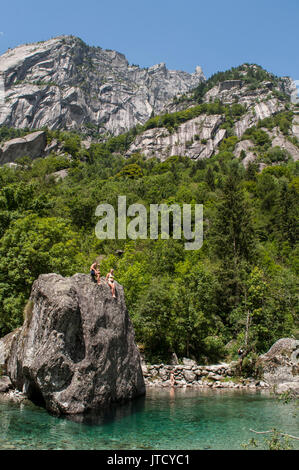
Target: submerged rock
76	351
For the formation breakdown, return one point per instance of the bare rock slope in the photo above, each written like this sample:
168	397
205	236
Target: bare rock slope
76	351
63	83
200	137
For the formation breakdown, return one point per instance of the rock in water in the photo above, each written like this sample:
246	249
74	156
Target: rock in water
76	350
281	365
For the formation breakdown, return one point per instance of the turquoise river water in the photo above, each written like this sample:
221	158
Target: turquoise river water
182	419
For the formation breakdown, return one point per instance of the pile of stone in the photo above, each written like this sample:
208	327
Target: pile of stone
214	376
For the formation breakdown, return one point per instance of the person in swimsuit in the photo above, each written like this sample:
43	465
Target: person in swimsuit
95	273
110	280
172	384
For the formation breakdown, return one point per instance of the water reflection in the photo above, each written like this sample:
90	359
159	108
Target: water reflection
113	413
164	419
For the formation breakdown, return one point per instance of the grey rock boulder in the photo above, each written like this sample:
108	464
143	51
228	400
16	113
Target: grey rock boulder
288	387
295	128
281	363
188	362
189	376
5	347
245	145
32	145
283	143
76	351
5	384
59	175
174	359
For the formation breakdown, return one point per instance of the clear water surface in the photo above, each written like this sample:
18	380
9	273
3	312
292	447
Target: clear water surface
164	419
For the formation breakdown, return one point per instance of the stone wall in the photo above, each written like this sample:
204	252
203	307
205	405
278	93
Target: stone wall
214	376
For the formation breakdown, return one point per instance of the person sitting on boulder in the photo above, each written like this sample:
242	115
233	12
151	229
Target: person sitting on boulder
95	273
110	280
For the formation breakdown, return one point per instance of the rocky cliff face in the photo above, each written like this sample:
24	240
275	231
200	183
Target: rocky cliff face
197	138
75	352
200	137
63	83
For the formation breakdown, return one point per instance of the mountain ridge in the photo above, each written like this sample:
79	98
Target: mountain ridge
64	83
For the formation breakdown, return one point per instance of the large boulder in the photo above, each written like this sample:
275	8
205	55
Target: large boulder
281	365
5	384
76	350
5	348
32	145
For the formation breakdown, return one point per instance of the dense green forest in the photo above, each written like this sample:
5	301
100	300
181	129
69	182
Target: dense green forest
239	289
196	303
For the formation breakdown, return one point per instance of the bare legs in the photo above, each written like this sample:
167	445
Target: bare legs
112	287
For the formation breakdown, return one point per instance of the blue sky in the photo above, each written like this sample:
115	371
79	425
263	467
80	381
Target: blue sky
215	34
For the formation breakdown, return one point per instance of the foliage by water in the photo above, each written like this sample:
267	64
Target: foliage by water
194	303
239	289
275	439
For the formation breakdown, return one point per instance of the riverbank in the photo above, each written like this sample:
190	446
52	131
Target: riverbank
184	377
195	376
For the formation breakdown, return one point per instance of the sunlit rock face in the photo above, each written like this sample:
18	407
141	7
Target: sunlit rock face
197	138
280	365
63	83
76	351
32	145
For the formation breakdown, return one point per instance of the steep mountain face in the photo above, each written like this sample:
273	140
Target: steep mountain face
63	83
201	136
196	138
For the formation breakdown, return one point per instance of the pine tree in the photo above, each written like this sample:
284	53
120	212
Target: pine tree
210	179
286	215
233	239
